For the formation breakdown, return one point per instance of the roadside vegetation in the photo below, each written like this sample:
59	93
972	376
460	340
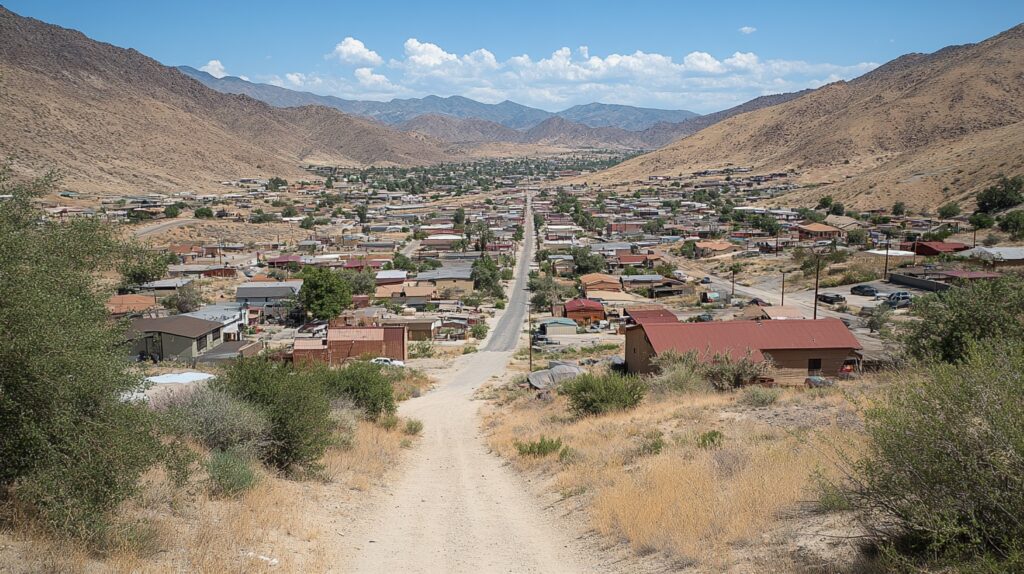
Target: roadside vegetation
96	476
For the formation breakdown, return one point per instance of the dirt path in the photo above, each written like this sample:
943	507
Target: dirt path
161	227
457	507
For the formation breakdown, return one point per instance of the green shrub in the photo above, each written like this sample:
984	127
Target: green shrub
651	443
499	304
945	461
757	396
421	350
230	473
710	439
594	394
293	401
469	349
677	373
725	373
538	448
413	427
831	498
568	455
388	422
479	330
220	421
367	385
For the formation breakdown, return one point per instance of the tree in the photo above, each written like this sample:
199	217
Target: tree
546	292
825	202
487	277
460	216
586	261
980	220
766	223
837	209
1013	223
324	294
186	299
308	222
289	211
329	183
139	265
276	183
949	321
949	210
878	318
1005	194
856	236
361	212
204	213
518	234
360	282
172	211
72	445
479	330
899	208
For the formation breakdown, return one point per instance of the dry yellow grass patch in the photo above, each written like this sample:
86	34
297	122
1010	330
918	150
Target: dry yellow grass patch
373	453
647	480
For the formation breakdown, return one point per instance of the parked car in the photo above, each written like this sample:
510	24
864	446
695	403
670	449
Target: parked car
899	296
865	290
818	383
760	302
897	303
388	362
831	298
705	281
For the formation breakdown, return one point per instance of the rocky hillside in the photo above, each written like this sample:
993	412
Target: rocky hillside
114	120
924	128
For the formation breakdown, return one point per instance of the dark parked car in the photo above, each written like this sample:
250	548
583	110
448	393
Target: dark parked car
897	303
760	302
866	290
705	281
831	298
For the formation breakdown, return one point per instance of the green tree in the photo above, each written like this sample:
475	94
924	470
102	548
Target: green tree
70	444
460	216
487	277
289	211
980	220
139	265
949	321
186	299
1005	194
1013	223
329	183
949	210
276	183
586	261
856	236
361	212
837	208
899	208
825	202
204	213
308	222
518	233
324	294
172	211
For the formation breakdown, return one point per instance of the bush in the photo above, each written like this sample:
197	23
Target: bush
220	421
499	304
678	373
651	443
710	439
364	383
759	397
388	422
945	461
725	373
293	401
593	394
421	350
469	349
230	473
479	330
538	448
204	213
413	427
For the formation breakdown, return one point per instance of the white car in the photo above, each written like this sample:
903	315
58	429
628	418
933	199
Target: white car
388	362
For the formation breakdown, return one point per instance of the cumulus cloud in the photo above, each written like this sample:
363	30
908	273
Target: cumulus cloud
354	52
748	30
215	69
697	80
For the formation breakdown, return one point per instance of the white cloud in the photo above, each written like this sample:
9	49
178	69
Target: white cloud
215	69
697	80
354	52
748	30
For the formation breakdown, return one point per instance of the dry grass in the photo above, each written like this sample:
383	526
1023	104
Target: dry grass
695	505
278	526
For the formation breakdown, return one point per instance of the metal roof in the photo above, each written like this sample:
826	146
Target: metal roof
178	325
736	338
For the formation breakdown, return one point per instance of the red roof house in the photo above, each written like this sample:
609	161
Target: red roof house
584	311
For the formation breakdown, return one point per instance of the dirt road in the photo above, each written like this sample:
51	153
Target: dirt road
164	226
457	507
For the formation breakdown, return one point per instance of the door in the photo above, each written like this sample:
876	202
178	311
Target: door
813	366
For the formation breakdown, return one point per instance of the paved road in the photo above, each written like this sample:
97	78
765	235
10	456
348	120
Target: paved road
457	507
160	227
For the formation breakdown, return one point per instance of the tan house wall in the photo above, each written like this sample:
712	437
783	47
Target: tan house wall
794	362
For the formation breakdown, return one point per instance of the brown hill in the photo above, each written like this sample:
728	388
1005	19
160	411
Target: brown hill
460	130
924	128
560	131
114	120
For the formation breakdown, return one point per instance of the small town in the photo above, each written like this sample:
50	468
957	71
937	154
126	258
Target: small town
401	322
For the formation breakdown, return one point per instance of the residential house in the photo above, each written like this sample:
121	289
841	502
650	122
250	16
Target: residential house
599	282
343	343
178	337
584	311
448	282
933	248
267	293
417	328
818	232
134	306
557	326
796	347
996	257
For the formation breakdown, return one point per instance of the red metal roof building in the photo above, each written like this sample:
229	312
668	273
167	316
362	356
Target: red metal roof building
584	311
639	315
799	346
933	248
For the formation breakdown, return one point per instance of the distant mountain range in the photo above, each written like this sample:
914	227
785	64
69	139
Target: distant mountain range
508	114
461	120
925	129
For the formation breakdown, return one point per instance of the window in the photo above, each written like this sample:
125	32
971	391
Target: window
216	334
813	365
201	343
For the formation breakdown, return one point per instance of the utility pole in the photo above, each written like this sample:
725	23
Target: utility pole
529	313
783	289
885	273
733	283
817	272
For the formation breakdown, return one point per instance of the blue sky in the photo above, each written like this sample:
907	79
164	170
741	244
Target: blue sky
699	56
